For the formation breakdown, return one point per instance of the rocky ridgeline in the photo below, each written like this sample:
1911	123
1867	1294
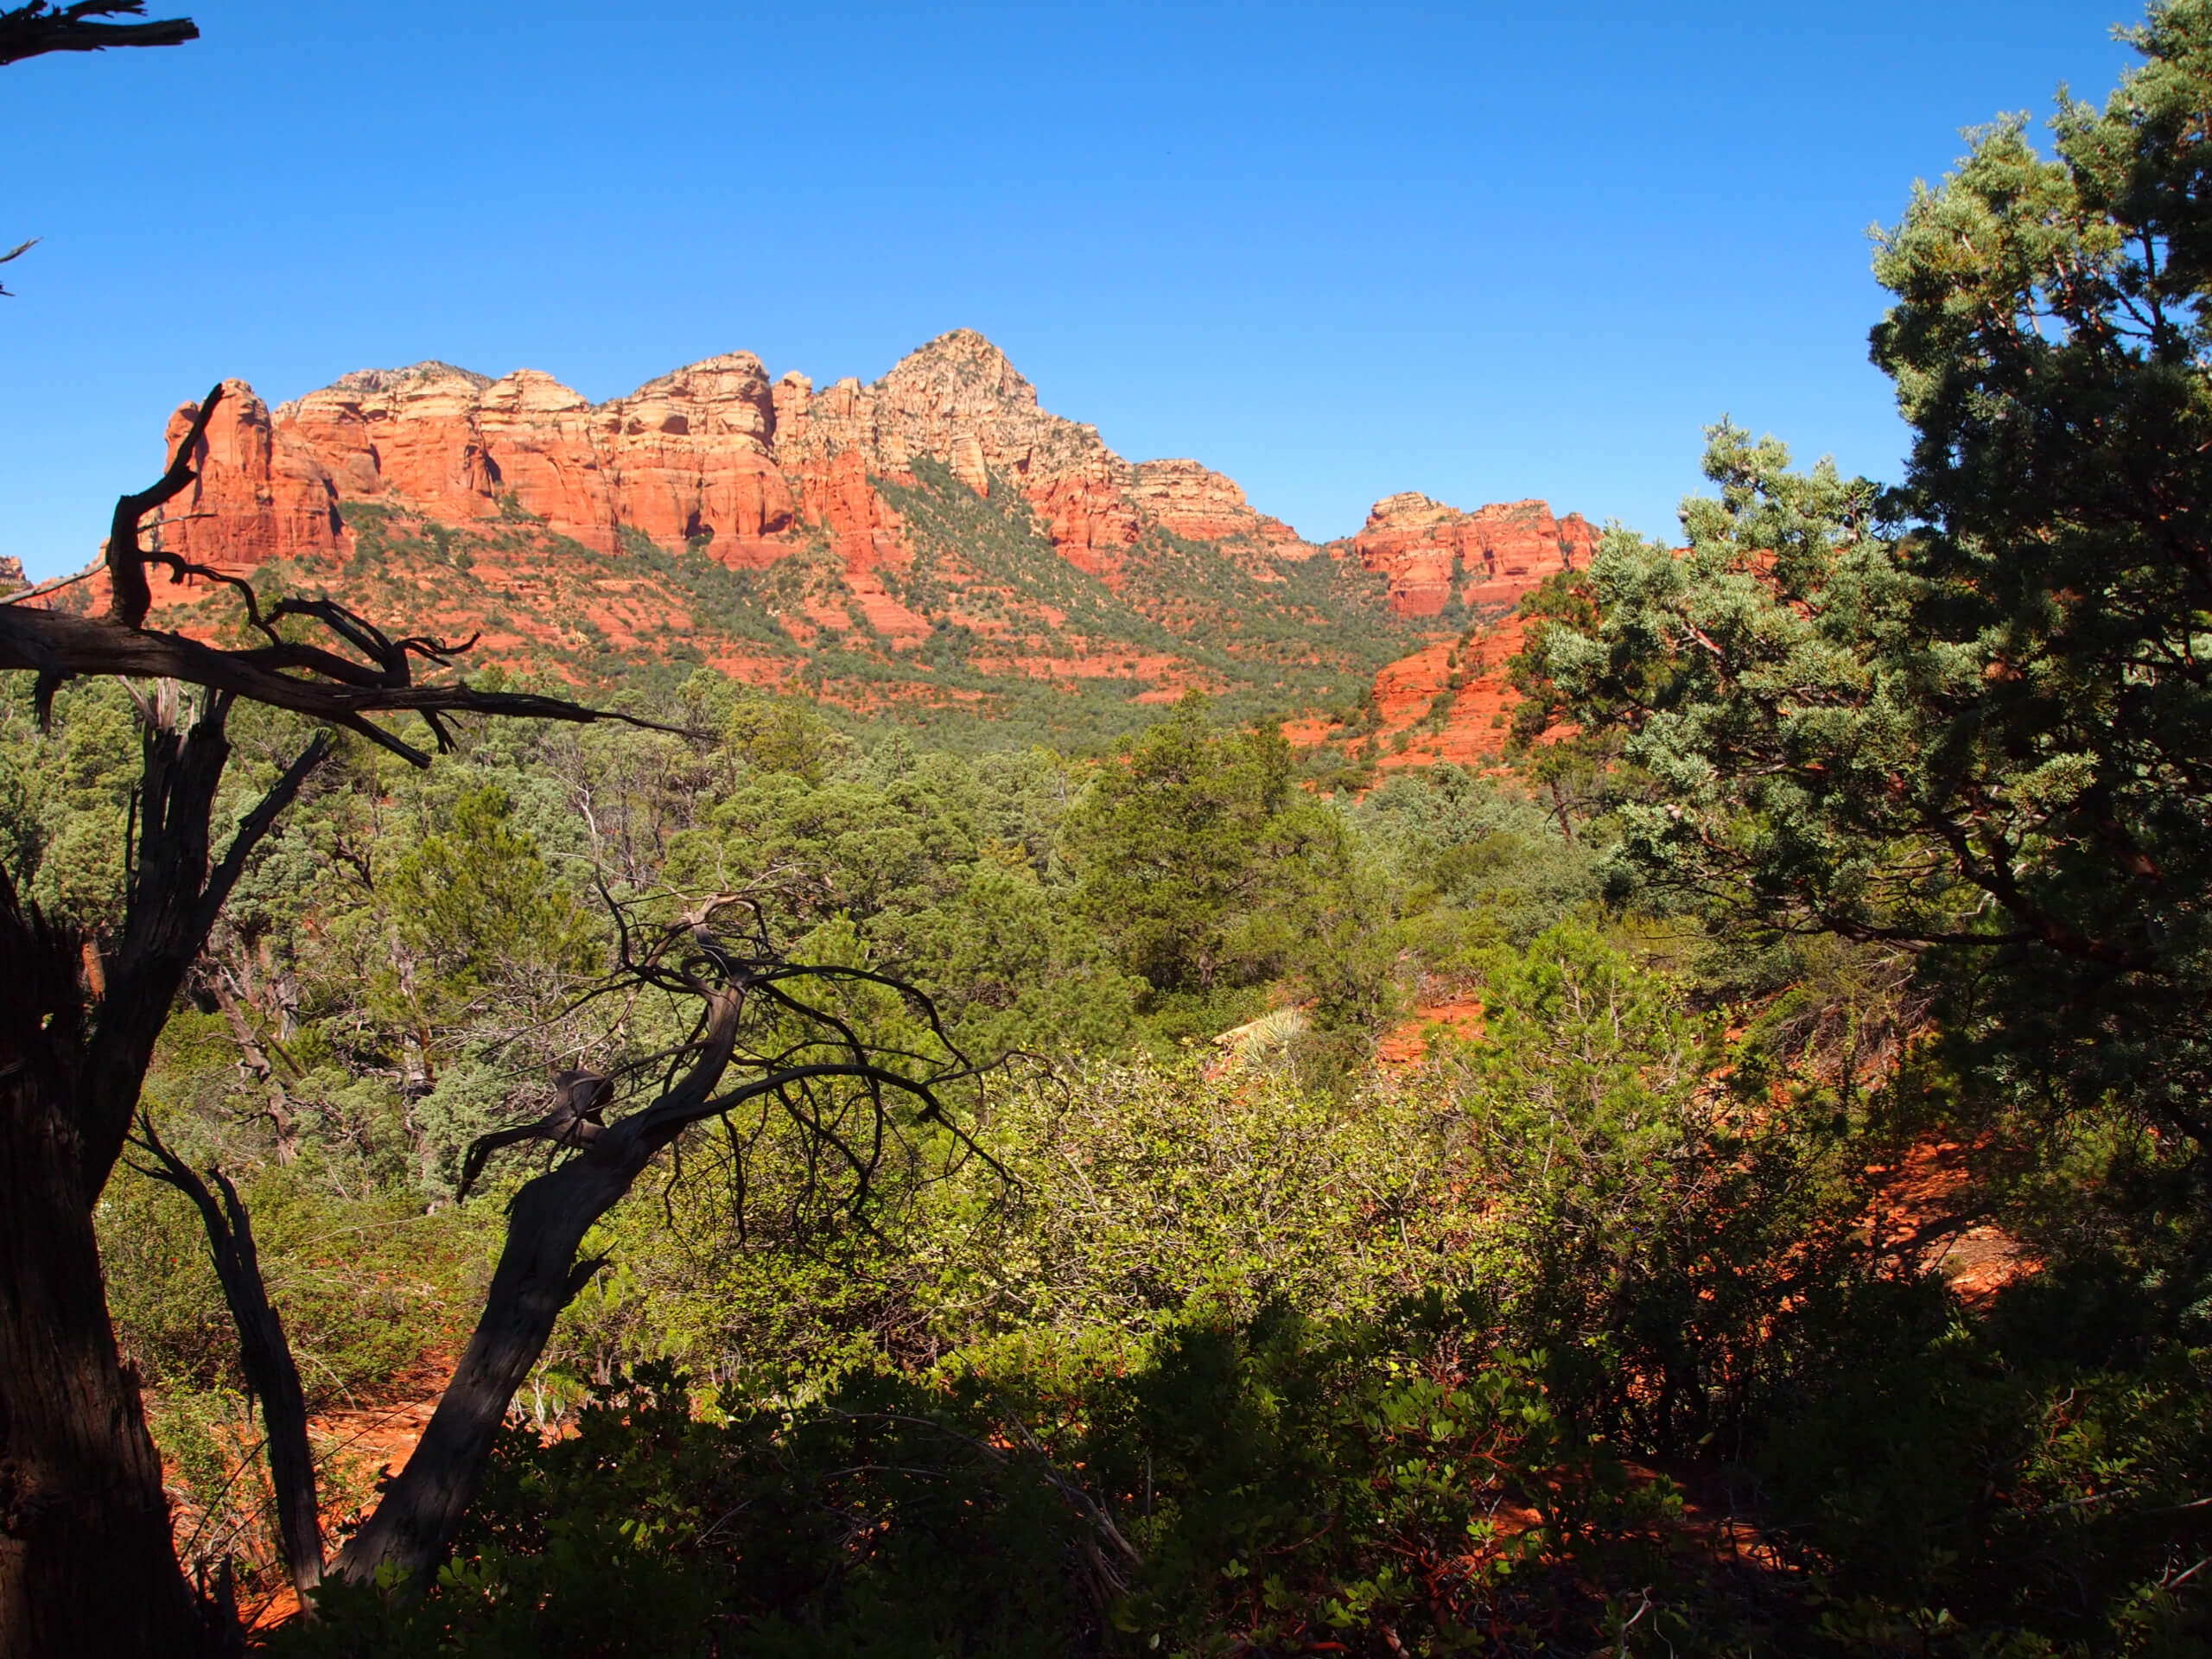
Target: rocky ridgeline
1434	554
718	457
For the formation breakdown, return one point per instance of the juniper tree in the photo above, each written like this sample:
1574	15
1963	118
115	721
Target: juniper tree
1972	715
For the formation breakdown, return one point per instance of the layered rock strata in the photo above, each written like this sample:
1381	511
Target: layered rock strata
260	493
1434	555
1193	501
760	472
686	456
717	454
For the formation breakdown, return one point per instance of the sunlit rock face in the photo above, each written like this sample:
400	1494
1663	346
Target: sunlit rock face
762	473
1430	552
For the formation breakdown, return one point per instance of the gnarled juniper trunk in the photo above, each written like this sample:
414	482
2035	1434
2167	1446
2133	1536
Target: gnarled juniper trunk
538	1274
85	1560
86	1564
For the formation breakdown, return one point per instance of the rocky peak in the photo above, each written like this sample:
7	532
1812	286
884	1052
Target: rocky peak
1408	507
960	369
959	402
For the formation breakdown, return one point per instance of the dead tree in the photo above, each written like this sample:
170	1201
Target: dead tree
85	1558
32	31
272	1377
541	1268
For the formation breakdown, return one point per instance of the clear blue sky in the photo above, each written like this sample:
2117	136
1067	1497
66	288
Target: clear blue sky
1485	250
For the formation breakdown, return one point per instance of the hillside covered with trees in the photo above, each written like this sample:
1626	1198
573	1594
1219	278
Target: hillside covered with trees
702	1172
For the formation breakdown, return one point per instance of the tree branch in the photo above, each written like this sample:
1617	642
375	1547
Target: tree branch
257	825
270	1374
34	30
129	597
413	1524
58	646
16	252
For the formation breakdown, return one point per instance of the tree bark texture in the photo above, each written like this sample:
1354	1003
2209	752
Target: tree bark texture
538	1274
86	1563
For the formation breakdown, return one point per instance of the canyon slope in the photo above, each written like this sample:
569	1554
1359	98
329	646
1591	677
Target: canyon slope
933	546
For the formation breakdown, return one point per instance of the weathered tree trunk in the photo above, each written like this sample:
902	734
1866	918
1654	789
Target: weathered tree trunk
86	1565
271	1375
537	1275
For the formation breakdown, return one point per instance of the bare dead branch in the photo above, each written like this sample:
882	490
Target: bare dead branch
37	29
129	597
265	1355
58	647
16	252
257	825
577	1118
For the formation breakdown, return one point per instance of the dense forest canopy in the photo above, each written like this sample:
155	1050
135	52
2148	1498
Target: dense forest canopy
1730	1179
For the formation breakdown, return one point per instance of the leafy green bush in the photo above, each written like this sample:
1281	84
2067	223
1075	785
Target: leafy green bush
1260	1485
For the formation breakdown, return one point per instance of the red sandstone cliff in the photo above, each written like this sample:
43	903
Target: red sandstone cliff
686	455
1431	553
260	493
712	452
715	455
1200	505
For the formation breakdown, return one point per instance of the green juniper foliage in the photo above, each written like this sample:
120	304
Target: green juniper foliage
1798	1242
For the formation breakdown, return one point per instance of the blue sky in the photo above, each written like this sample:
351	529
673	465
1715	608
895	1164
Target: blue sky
1485	251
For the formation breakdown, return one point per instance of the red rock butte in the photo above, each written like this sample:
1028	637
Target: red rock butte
717	456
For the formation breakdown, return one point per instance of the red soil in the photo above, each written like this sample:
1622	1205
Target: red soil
1406	1043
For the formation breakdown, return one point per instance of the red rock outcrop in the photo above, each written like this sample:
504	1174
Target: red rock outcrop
1190	500
760	471
258	493
684	456
412	430
692	454
1431	553
1451	700
959	401
716	452
712	450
